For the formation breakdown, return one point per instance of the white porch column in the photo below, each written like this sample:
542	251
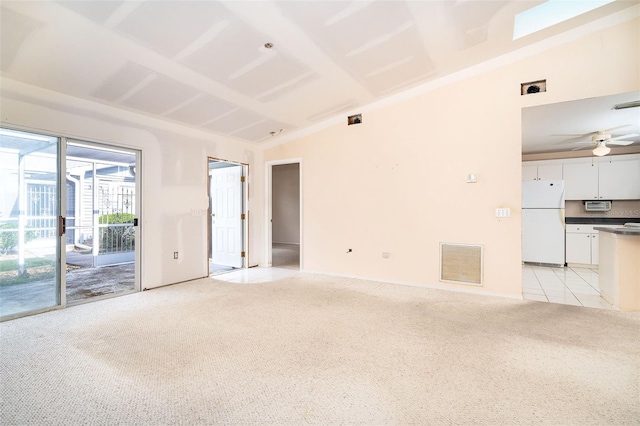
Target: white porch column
96	217
22	212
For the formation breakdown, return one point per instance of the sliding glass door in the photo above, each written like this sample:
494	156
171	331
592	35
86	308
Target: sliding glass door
30	228
101	205
68	222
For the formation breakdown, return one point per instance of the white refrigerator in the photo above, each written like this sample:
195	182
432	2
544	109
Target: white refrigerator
543	222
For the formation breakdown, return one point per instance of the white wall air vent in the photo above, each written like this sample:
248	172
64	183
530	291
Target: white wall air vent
461	263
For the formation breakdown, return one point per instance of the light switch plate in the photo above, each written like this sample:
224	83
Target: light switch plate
503	212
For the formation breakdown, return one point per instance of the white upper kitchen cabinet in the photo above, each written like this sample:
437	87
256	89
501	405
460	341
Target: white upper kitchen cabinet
619	180
550	172
542	172
615	177
580	181
529	173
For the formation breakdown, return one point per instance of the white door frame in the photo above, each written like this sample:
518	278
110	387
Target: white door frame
268	258
244	209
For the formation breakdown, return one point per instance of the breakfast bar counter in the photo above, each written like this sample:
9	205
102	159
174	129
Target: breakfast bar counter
619	269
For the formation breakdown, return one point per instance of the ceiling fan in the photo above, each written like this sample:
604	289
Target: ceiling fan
601	138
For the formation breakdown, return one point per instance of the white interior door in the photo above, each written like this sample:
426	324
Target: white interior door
226	220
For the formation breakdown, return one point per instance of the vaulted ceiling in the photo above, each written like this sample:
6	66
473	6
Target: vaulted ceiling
245	69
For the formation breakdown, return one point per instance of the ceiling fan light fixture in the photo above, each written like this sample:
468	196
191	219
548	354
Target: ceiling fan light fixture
601	149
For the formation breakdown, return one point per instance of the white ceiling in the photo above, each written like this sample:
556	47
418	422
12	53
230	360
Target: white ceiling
567	126
203	63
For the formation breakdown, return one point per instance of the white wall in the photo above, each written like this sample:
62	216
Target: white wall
397	182
286	203
174	175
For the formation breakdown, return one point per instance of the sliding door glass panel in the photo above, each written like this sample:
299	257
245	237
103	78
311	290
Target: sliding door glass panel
101	207
29	211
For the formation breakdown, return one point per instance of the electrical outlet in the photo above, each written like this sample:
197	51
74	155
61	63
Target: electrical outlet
385	254
175	254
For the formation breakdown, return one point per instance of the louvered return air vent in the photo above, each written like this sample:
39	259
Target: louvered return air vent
461	263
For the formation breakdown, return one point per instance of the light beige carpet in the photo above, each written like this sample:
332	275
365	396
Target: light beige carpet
319	350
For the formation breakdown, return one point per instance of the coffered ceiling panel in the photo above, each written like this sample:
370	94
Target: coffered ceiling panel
276	92
169	26
261	76
332	25
14	30
122	82
234	120
160	95
201	110
98	11
372	53
234	47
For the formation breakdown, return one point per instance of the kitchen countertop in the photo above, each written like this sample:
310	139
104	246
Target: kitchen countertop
622	230
618	273
600	220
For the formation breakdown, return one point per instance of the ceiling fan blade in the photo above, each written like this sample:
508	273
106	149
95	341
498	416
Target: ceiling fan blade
572	140
630	135
580	147
577	135
617	127
571	135
612	142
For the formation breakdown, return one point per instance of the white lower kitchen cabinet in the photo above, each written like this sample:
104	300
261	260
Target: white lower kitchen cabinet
581	244
595	248
580	248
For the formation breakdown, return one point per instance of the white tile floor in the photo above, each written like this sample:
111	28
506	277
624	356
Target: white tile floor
567	286
255	275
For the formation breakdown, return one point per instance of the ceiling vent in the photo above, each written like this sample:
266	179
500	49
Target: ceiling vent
354	119
533	87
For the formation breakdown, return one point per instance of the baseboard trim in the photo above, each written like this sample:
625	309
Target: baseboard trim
421	285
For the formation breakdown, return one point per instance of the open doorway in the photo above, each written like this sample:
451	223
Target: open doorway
227	216
285	215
